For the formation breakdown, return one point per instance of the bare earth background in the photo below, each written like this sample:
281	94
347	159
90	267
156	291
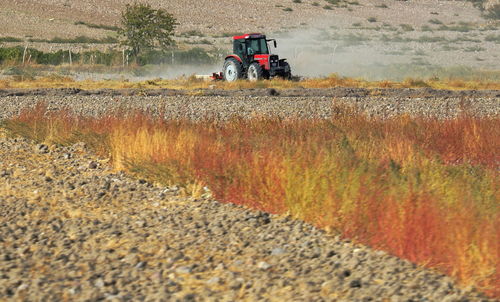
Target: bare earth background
316	37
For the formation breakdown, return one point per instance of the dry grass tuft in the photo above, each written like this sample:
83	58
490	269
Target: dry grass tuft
191	83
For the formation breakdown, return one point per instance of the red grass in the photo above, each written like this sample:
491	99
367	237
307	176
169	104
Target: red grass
423	189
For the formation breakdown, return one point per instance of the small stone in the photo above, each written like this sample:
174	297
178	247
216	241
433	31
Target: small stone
99	283
141	223
278	251
238	263
263	265
189	297
330	254
344	274
42	148
141	265
329	287
235	285
213	281
92	165
23	286
355	284
184	270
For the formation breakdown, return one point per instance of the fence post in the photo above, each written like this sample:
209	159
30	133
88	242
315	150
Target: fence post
24	53
70	58
333	54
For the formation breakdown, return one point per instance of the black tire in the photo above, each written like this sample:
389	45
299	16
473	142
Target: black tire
287	75
255	72
232	70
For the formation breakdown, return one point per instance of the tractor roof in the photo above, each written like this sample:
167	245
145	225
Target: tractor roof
250	36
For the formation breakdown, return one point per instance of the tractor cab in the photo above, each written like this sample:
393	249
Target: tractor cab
251	58
246	47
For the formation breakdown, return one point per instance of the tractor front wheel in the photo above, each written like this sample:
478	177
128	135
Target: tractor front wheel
232	70
255	72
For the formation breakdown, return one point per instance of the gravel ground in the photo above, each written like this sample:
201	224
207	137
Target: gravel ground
73	229
303	103
220	104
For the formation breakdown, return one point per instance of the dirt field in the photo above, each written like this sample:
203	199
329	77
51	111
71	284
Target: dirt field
51	18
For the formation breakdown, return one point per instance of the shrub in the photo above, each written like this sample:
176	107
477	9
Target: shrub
372	19
10	39
426	28
435	21
146	28
474	49
98	26
407	27
192	33
493	12
493	38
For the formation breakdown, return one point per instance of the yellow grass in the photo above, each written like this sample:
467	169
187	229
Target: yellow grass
191	83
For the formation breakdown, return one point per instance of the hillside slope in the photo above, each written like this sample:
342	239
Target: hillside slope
51	18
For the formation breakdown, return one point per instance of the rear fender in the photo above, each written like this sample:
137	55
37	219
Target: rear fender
234	57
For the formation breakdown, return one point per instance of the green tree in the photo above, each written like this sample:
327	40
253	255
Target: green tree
146	28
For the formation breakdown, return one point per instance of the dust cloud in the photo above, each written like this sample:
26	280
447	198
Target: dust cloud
317	52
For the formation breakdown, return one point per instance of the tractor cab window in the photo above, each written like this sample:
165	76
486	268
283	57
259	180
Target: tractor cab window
257	47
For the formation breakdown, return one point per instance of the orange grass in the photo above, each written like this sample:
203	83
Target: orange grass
422	189
191	83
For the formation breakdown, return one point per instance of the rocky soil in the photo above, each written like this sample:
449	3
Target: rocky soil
220	104
73	229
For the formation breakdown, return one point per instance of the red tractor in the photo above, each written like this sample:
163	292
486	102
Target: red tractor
251	59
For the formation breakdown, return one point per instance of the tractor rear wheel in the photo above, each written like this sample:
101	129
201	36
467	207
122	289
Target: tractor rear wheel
255	72
232	70
287	75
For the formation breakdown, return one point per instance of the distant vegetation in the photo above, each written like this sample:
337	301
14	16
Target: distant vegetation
98	26
77	40
491	9
15	55
145	28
